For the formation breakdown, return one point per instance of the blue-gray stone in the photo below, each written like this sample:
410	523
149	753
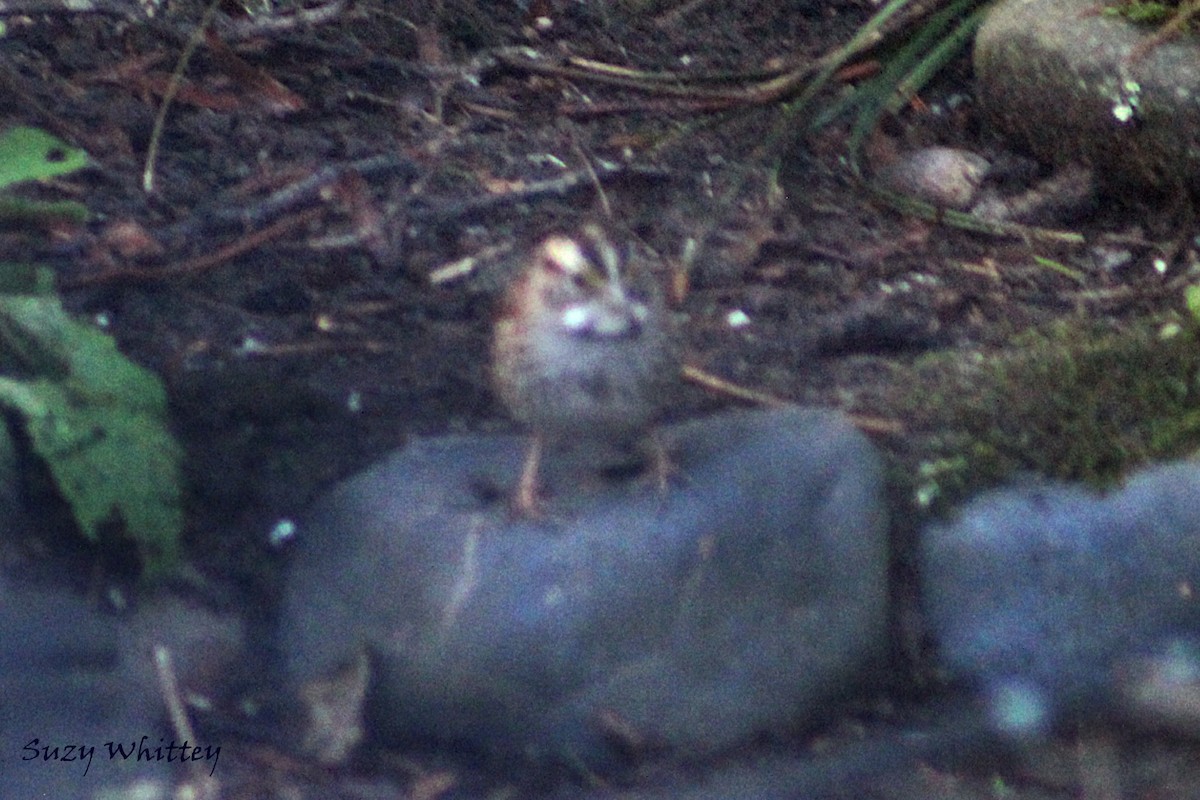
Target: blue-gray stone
64	695
745	599
1042	594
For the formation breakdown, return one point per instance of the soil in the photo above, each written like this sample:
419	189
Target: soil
287	275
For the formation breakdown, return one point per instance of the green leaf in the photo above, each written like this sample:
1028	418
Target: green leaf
16	209
25	279
28	154
99	422
1191	297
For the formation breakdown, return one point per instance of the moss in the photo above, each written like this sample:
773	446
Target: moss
1147	12
1073	401
1142	12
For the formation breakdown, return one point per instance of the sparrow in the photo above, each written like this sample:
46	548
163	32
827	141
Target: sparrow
580	354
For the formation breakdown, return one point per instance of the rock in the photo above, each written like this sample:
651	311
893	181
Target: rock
1072	85
943	176
1067	195
74	677
744	600
79	690
61	684
80	695
1046	596
61	687
1160	687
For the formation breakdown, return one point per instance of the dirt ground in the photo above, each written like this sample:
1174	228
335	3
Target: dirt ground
289	277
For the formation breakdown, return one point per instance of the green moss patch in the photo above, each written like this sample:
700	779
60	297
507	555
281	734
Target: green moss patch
1075	401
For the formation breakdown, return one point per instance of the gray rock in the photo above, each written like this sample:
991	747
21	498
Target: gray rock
62	689
61	685
1045	595
80	695
742	601
947	177
1070	84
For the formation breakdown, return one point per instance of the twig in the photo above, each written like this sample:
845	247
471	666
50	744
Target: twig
676	85
201	263
116	8
729	389
168	685
463	267
160	120
455	211
282	20
866	424
591	171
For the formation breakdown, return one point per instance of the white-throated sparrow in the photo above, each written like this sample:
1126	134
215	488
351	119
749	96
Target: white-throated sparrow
579	353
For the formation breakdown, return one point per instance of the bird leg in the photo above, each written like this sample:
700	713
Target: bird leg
526	502
661	466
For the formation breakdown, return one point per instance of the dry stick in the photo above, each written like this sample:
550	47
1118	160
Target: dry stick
714	383
688	97
449	211
224	214
587	165
675	15
283	20
200	263
1169	29
728	388
108	7
169	686
464	267
169	95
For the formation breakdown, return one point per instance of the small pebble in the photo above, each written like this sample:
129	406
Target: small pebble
944	176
